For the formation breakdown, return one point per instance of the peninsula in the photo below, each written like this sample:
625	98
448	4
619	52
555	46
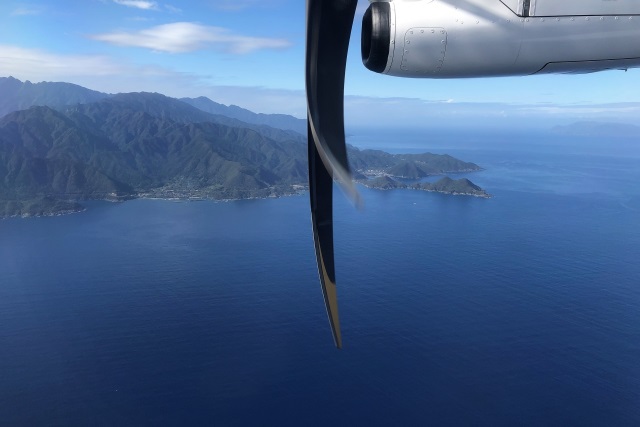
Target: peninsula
445	185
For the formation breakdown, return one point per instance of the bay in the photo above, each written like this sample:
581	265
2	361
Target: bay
522	309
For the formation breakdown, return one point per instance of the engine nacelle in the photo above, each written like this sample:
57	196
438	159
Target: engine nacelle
481	38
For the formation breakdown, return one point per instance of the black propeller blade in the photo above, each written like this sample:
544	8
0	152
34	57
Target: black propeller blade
328	30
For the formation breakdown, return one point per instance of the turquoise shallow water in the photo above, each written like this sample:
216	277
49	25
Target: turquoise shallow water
523	309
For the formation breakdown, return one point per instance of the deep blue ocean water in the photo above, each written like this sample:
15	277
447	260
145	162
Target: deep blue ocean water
523	309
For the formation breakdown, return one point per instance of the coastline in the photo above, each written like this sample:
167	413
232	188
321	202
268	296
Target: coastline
147	195
446	185
295	190
480	196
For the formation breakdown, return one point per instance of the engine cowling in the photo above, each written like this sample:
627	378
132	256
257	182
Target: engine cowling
481	38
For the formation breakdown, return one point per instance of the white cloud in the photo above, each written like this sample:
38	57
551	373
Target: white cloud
172	9
180	37
238	5
138	4
39	64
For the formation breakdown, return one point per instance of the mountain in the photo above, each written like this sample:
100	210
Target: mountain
149	145
17	95
113	150
164	107
280	121
598	129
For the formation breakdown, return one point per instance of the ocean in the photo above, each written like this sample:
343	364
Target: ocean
522	309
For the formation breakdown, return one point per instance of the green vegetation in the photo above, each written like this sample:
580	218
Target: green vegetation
150	145
446	185
409	166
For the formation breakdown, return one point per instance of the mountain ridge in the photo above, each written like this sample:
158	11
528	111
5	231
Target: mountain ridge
18	95
150	145
281	121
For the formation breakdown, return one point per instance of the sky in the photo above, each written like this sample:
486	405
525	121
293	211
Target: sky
251	53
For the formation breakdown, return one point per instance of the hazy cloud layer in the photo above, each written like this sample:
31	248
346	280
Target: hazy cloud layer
416	113
180	37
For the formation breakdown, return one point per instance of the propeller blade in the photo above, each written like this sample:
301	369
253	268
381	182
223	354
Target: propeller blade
329	25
